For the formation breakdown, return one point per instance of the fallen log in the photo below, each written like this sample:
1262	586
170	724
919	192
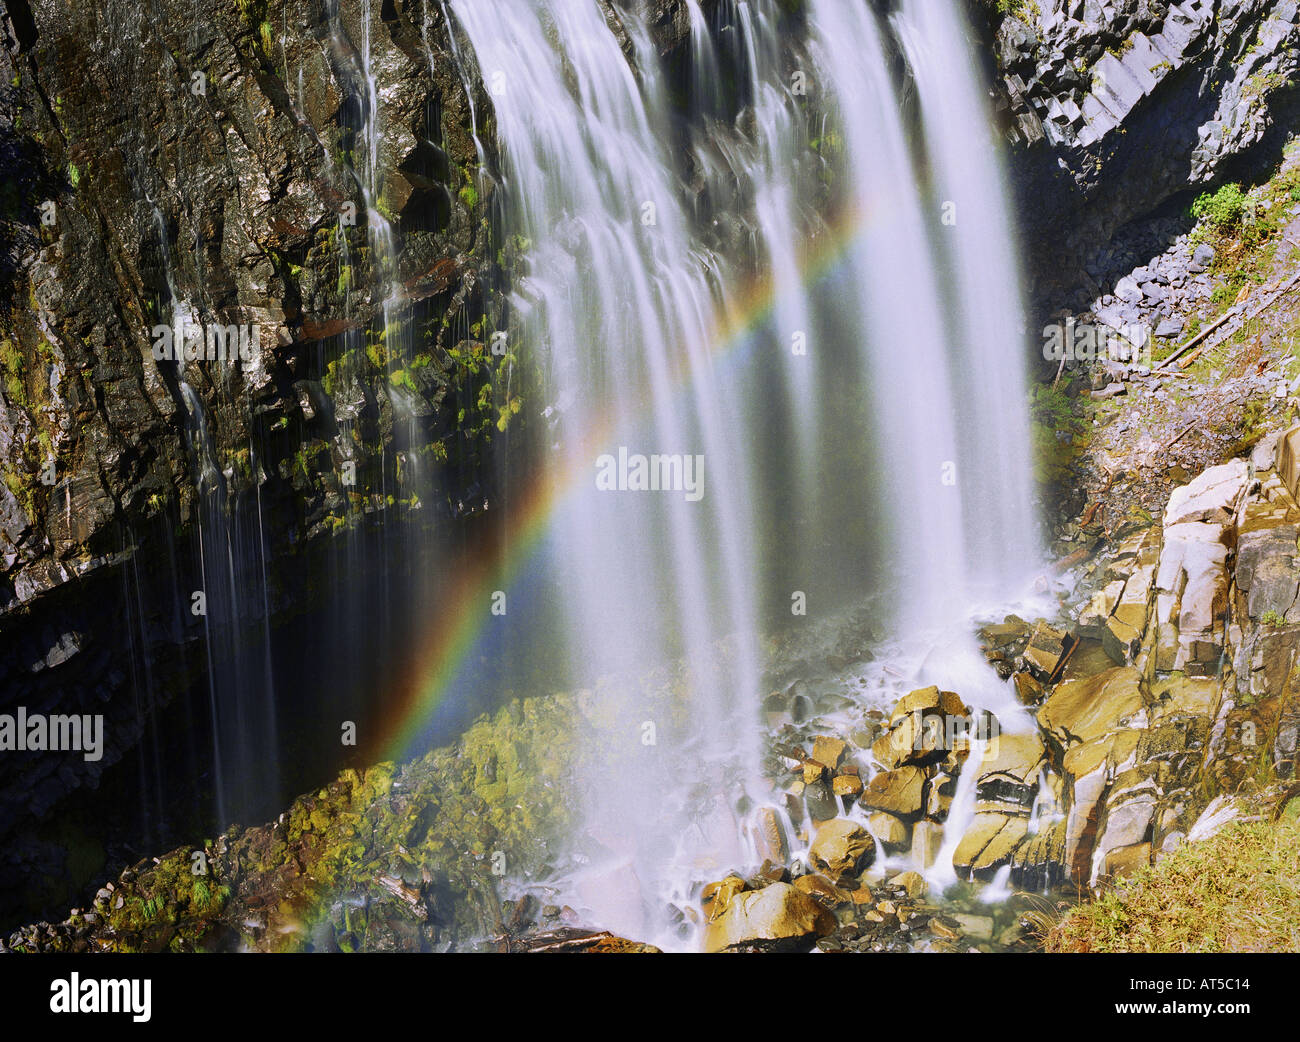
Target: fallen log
1242	314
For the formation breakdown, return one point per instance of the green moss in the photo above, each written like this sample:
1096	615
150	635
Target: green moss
12	367
401	378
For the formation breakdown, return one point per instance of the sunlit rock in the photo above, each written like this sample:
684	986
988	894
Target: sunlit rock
777	918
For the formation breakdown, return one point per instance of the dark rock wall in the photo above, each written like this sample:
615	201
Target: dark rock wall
157	155
1118	109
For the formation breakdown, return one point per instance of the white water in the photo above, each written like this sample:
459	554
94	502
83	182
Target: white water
619	305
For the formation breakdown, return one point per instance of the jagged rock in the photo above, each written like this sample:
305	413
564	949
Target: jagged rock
828	751
1179	90
1092	620
848	786
990	841
900	792
841	849
1211	497
1083	710
777	918
892	833
1202	257
927	726
1288	460
1221	812
1195	696
1011	769
1040	860
1267	571
1128	815
1046	646
1125	861
770	841
1192	596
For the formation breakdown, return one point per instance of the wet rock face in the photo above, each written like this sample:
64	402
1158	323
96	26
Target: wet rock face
209	168
159	165
1117	108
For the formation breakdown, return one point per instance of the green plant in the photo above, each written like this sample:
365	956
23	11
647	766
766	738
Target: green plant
1222	209
1271	618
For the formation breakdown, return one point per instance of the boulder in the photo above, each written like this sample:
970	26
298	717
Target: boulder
1092	620
1039	862
777	918
1123	862
1267	572
925	727
1011	768
715	897
823	890
892	833
828	751
821	801
1045	649
990	842
912	882
1127	818
841	849
900	792
1192	596
1210	497
1184	695
848	786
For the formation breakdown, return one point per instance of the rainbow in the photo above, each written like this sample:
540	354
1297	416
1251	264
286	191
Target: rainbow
460	627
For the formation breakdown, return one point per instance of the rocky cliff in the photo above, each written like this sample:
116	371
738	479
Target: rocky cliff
1119	109
292	174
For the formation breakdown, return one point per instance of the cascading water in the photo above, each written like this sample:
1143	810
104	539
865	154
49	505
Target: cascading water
623	304
232	602
913	357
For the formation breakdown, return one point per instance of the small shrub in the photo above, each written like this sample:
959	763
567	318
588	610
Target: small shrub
1222	209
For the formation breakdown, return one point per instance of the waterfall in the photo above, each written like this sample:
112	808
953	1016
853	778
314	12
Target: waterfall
863	433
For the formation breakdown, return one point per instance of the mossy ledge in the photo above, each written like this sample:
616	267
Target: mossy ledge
388	858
